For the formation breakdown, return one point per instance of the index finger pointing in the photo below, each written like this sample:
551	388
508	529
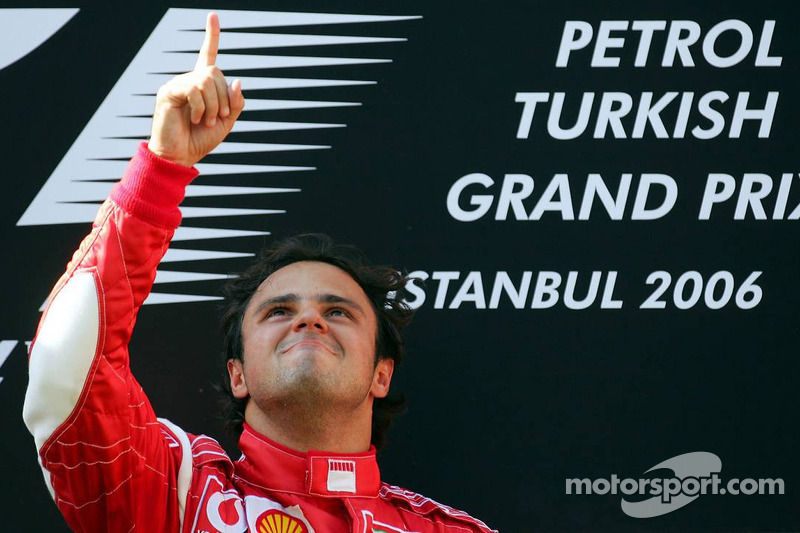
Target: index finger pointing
208	52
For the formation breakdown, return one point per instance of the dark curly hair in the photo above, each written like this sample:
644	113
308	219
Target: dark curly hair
381	284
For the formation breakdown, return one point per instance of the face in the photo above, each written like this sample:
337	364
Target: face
309	336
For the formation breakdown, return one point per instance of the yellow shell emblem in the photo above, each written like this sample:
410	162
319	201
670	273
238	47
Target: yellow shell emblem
274	521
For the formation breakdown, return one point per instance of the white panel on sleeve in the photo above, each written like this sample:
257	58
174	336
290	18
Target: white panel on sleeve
62	356
185	469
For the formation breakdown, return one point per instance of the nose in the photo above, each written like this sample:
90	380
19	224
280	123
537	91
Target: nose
309	318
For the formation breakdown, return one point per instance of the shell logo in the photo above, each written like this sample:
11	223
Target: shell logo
274	521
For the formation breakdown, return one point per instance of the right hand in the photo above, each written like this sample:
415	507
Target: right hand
195	111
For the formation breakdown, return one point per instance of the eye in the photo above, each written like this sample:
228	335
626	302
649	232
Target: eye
338	311
277	311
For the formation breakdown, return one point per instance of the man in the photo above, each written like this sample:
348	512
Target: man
312	347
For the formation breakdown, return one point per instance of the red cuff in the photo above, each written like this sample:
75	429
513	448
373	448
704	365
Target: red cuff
152	188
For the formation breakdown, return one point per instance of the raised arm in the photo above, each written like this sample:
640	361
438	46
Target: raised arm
108	462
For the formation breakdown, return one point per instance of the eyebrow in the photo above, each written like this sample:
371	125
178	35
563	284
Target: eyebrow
320	298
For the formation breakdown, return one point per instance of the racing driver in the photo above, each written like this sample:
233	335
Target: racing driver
308	375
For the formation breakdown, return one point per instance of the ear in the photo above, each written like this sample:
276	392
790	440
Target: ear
236	374
382	378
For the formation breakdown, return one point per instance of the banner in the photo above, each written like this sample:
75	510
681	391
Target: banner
598	205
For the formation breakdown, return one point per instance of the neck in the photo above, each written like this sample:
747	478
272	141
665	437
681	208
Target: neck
304	429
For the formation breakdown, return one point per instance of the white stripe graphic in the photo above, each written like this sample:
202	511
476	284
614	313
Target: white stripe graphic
174	255
237	41
202	212
208	169
178	63
24	30
143	105
274	19
156	298
139	127
196	234
122	148
99	155
253	84
146	83
6	347
224	190
246	148
169	276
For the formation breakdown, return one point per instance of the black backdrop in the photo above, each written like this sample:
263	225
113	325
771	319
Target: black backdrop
505	403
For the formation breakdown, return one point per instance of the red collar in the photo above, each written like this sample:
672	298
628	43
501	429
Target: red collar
266	463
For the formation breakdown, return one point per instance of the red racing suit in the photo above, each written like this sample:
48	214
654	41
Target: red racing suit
111	465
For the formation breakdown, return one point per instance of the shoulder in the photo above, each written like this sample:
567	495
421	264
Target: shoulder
446	517
206	449
193	451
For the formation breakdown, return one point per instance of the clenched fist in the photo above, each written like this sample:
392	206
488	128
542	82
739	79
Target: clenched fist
195	111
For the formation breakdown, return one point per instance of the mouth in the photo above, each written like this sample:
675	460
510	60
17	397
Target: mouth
309	343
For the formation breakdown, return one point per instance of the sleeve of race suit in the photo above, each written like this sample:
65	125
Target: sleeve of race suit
109	464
